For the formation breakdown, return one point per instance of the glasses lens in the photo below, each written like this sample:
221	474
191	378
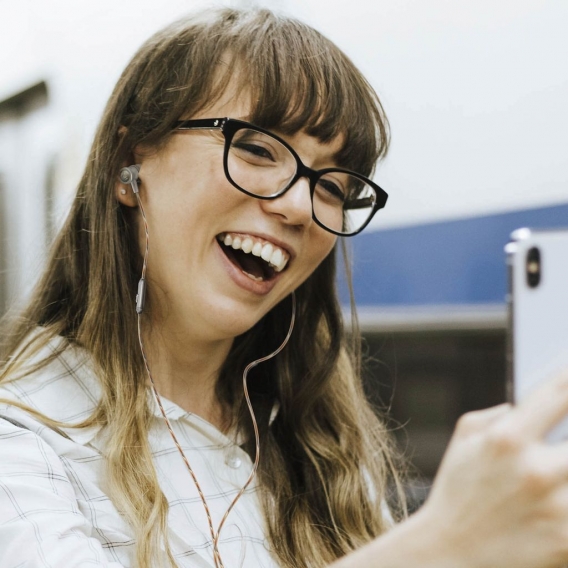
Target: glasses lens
343	202
259	164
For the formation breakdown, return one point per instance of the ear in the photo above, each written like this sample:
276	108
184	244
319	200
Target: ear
124	194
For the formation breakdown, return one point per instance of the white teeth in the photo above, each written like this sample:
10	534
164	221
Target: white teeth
274	256
247	245
253	277
266	252
282	266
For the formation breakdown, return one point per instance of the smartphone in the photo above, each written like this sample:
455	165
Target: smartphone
538	312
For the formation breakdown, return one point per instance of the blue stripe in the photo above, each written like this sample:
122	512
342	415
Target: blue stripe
452	262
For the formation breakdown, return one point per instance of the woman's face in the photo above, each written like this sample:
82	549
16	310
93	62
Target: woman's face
198	284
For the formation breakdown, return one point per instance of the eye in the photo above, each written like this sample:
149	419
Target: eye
330	190
253	149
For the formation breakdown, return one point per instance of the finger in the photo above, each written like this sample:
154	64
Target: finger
543	408
478	420
559	454
547	465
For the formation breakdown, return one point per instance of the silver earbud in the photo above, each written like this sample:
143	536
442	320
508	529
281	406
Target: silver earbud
141	296
130	175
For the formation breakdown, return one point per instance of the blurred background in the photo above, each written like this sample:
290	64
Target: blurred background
476	92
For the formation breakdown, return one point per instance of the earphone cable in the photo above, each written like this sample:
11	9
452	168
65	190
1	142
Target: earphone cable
215	534
216	554
251	411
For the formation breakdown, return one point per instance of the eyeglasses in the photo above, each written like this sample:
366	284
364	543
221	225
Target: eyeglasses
264	166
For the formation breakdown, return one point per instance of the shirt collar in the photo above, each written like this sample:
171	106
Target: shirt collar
68	390
175	413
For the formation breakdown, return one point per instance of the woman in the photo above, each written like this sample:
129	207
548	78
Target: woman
232	153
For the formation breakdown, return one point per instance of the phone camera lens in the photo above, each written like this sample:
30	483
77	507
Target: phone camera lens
533	267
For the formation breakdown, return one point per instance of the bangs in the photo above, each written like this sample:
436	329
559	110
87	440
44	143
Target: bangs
298	80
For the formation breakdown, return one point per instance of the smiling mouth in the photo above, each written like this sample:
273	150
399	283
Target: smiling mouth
260	260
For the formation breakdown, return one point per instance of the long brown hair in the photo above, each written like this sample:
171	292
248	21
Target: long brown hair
327	460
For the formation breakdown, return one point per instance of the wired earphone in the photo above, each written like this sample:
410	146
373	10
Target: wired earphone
130	176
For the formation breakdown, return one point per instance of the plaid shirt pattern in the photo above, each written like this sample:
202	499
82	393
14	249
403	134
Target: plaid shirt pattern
54	507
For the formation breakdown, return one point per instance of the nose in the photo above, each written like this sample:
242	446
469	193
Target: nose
293	207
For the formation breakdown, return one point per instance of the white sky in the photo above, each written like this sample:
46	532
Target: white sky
476	91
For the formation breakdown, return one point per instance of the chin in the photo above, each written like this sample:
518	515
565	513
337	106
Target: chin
228	318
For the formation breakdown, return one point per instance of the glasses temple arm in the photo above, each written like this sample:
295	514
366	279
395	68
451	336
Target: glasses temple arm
359	203
200	124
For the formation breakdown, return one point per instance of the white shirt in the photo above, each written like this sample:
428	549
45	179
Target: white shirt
54	508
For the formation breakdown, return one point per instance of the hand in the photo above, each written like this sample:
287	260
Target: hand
501	495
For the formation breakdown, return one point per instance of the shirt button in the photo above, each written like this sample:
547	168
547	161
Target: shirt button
234	462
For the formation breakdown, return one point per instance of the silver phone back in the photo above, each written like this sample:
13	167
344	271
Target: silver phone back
538	314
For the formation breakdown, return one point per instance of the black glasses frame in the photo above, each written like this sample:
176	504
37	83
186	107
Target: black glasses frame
230	126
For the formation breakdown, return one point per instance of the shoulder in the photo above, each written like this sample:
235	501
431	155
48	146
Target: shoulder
52	491
53	510
66	389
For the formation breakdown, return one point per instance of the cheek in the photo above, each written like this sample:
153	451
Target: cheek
190	203
320	246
